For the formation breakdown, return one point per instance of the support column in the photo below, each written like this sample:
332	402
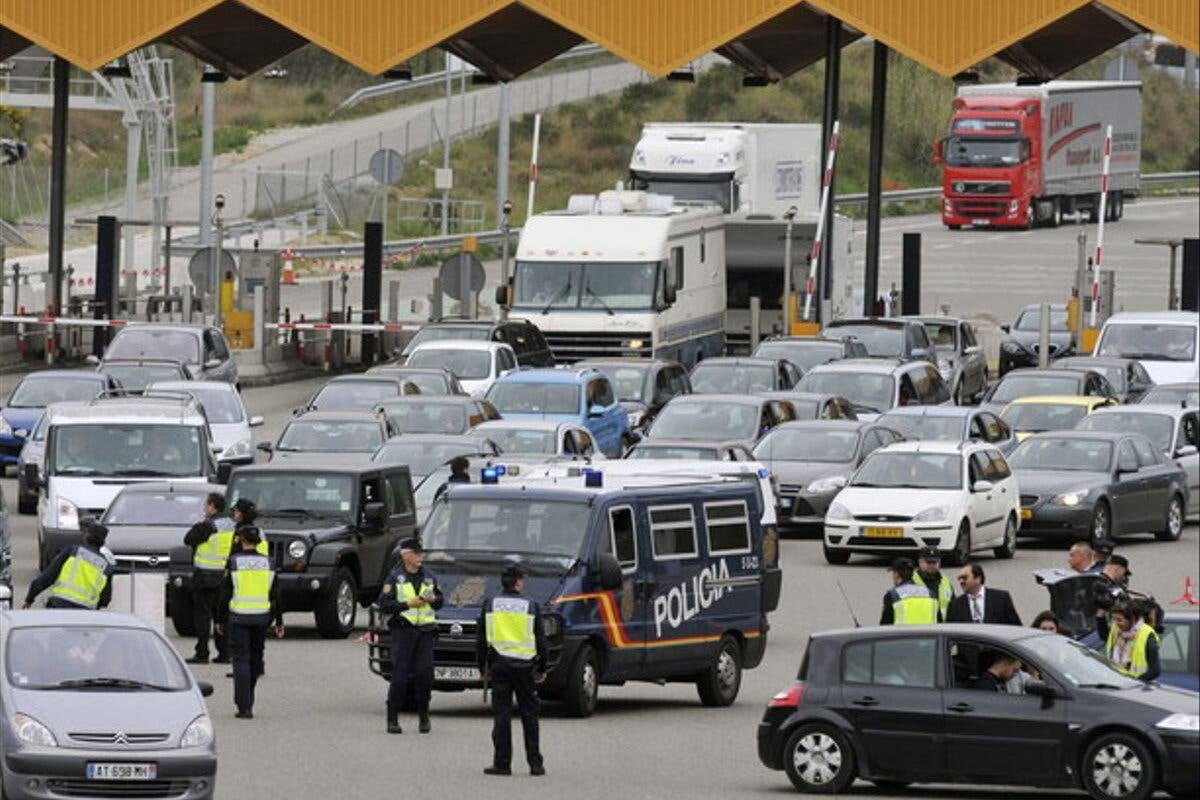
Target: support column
372	287
875	177
207	110
833	79
502	152
133	156
105	304
58	179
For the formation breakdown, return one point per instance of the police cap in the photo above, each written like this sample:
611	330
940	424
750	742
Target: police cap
1120	561
249	534
411	545
512	573
929	554
246	506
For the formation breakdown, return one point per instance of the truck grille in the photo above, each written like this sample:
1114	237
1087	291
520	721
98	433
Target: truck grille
571	347
982	187
980	208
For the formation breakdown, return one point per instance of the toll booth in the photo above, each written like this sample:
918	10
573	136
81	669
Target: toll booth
256	268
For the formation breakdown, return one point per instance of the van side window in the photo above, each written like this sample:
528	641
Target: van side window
672	532
677	267
728	528
622	538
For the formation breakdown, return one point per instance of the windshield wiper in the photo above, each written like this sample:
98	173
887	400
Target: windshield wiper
1100	686
563	292
145	473
105	683
599	299
77	471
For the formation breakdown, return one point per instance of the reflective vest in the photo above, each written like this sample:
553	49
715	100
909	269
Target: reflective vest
422	616
82	578
213	552
945	592
913	606
252	578
1137	654
510	628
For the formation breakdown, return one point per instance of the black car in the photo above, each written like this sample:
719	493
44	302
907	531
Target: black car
1019	348
429	380
1030	382
807	352
333	533
642	385
897	705
1128	377
523	336
886	337
743	375
735	418
1094	484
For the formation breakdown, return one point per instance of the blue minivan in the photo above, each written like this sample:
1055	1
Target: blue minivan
668	580
582	396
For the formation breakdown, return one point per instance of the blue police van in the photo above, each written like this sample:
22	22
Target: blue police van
641	580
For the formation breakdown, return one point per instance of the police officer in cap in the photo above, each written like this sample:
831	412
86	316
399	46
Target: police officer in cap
906	603
79	576
410	598
512	652
929	575
211	540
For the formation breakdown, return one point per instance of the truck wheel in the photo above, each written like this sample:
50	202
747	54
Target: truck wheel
182	609
719	684
337	609
1094	211
583	683
1055	214
1118	205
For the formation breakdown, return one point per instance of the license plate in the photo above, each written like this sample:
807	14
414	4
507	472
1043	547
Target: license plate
888	533
980	223
122	772
456	674
1026	513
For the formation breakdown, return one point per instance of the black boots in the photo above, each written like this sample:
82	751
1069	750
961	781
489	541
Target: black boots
423	721
393	723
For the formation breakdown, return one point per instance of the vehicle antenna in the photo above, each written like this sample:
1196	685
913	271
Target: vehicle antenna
849	607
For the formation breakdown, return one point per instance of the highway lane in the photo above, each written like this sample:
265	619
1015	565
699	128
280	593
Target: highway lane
319	728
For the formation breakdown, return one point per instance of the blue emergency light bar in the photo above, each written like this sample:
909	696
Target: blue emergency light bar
593	478
489	475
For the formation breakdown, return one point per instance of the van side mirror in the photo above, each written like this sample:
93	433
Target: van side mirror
610	572
982	486
1006	328
596	410
504	295
669	294
938	144
32	477
266	447
254	422
93	360
1185	450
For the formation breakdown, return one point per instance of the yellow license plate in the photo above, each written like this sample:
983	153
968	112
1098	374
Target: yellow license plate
891	533
1026	513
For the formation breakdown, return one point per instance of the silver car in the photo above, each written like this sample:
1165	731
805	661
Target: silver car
100	705
203	350
960	359
228	425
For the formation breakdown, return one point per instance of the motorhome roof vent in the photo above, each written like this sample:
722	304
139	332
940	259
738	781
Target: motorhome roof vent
581	203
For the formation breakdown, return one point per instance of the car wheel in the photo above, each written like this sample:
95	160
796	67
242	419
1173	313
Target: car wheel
583	684
337	609
182	610
818	760
1174	521
1117	766
1008	547
1101	522
962	546
835	556
719	684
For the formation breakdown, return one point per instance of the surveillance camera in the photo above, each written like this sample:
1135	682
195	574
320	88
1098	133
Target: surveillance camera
507	207
219	201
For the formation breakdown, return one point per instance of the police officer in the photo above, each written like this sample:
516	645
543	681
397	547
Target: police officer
906	603
248	603
511	651
211	540
79	576
410	598
929	575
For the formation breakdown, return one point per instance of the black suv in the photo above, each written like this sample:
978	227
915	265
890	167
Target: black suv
333	533
521	335
886	337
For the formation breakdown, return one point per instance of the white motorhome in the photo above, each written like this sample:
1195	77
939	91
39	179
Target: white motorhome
624	274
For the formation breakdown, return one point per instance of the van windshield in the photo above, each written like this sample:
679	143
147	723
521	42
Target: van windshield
1149	341
514	527
136	450
609	286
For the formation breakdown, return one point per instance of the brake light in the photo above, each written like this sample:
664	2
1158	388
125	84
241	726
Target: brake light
789	697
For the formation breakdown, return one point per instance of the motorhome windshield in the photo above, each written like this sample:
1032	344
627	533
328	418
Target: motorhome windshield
984	151
134	450
607	287
714	189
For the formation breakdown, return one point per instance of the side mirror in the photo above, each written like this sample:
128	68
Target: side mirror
93	360
971	350
254	422
1043	690
669	294
1186	450
596	410
1124	467
32	478
610	572
982	486
206	688
266	447
374	514
504	295
921	353
937	150
1006	328
212	363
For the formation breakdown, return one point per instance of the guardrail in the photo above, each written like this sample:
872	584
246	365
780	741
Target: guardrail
389	248
934	192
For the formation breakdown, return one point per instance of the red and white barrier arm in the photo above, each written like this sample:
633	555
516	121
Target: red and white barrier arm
1100	225
810	287
67	321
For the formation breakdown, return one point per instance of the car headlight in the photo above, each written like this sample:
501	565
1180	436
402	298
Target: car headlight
198	734
1070	498
68	514
297	549
30	731
830	483
1011	347
935	514
5	428
837	511
1179	722
239	449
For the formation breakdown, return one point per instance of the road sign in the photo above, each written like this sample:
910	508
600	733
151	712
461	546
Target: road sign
200	269
451	275
387	166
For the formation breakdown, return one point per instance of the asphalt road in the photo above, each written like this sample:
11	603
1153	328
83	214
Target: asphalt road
318	729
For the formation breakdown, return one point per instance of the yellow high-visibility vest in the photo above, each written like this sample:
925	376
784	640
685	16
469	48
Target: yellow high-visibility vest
510	628
421	616
914	606
945	592
82	578
1137	655
252	578
213	552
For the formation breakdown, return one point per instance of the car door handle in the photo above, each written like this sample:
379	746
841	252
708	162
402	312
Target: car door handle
961	708
865	701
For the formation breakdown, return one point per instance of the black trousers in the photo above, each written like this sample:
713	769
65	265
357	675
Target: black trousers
412	667
246	643
204	600
60	602
509	679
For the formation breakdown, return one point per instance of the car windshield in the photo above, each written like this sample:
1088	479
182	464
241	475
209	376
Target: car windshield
439	333
1079	665
93	657
535	398
422	457
1158	428
872	391
926	426
674	451
467	365
609	286
733	378
707	421
807	444
500	527
804	355
221	405
989	151
1150	341
426	417
1173	395
135	450
1114	373
134	342
628	382
1015	385
881	341
331	437
1031	318
524	440
136	377
177	509
1043	416
34	392
1059	454
283	494
909	470
354	394
426	382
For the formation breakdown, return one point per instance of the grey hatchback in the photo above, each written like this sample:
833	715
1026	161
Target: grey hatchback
100	705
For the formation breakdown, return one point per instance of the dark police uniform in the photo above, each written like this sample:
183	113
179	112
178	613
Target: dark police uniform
248	604
413	632
78	577
211	541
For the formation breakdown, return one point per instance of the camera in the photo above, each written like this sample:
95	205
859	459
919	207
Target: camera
219	201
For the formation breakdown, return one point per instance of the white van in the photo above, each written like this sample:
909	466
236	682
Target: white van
1166	343
95	448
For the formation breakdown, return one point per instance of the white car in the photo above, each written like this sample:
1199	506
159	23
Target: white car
475	363
228	425
1166	343
540	439
957	497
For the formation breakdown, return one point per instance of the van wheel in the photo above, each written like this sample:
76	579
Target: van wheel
182	609
1118	765
583	683
1008	547
337	609
835	556
962	546
719	684
818	760
1174	521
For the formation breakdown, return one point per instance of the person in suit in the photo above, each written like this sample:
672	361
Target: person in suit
979	603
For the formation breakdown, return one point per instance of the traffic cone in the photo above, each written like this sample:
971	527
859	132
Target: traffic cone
1187	596
289	274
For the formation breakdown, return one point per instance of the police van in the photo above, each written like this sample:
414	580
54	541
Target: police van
639	579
